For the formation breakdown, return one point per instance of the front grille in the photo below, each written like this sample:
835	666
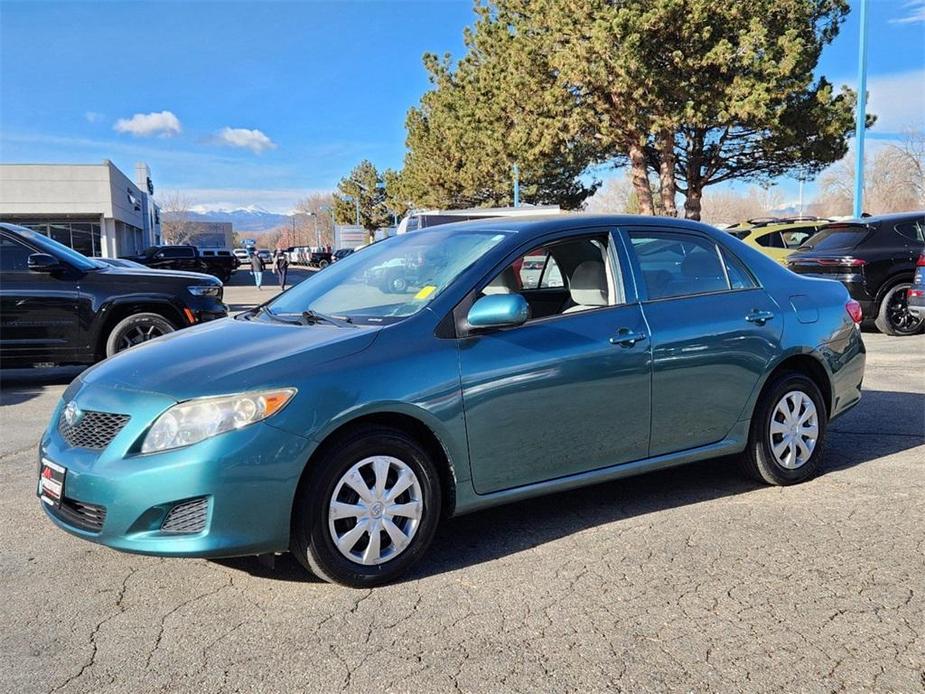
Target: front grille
84	516
187	517
94	430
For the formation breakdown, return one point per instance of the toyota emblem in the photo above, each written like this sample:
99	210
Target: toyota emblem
72	414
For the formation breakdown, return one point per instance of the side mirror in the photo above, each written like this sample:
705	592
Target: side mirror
42	262
499	311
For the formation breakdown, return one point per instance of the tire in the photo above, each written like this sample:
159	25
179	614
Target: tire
322	264
893	317
759	459
314	531
136	329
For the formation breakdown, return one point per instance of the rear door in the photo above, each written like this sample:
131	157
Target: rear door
713	333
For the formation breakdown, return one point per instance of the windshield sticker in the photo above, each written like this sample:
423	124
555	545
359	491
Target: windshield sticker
425	292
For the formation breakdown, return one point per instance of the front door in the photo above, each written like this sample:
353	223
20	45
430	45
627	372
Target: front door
38	310
714	332
568	391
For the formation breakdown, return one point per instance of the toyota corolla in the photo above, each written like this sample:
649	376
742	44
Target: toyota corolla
343	420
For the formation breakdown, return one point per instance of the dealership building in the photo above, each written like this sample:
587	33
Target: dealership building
93	208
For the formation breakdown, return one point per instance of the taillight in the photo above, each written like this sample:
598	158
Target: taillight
854	310
844	262
921	261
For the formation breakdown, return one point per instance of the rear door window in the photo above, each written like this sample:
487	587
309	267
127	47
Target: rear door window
772	240
914	230
675	264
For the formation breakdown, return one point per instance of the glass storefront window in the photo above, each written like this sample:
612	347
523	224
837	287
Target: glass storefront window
84	237
60	233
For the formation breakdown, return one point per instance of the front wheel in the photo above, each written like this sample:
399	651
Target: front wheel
894	317
322	264
136	329
369	510
787	435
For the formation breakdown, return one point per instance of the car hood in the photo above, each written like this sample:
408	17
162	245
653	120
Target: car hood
198	277
229	356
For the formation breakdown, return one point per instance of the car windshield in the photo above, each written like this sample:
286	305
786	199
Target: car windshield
389	280
59	250
838	238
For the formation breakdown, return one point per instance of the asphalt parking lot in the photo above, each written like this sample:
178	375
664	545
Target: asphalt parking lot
692	579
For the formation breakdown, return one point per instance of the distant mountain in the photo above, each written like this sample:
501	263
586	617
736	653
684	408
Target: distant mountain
253	219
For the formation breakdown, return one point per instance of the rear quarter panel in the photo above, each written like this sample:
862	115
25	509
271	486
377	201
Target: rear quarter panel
815	323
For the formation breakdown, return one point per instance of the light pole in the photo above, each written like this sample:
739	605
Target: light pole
861	116
516	186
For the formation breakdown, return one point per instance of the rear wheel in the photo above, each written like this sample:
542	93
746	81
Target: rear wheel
369	510
787	435
894	317
136	329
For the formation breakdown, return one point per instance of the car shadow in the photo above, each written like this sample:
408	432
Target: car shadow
872	430
21	385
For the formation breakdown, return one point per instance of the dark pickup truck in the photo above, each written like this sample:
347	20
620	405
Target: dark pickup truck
219	264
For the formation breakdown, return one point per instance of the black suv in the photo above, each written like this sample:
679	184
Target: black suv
58	306
874	258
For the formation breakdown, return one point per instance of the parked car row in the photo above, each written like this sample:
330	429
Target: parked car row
218	263
874	257
312	256
58	306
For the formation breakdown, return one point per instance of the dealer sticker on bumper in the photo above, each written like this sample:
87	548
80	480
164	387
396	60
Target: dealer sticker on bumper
51	482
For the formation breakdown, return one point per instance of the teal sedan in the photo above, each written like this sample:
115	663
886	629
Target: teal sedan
344	419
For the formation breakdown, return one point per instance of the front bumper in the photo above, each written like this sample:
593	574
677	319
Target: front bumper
247	479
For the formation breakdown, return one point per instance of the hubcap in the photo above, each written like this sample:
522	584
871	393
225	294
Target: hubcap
794	429
139	334
375	510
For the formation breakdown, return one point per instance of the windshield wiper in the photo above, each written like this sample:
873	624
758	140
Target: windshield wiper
311	317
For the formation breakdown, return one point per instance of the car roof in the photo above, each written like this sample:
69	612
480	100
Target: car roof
878	219
537	225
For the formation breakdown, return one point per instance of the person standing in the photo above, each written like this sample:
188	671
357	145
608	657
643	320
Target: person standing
257	268
282	268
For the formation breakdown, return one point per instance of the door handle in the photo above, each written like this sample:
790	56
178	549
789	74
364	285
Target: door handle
627	338
759	317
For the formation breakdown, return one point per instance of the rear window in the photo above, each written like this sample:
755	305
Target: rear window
840	238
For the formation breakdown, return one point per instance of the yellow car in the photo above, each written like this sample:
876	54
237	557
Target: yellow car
777	238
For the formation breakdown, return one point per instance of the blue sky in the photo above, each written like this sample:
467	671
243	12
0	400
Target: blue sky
245	103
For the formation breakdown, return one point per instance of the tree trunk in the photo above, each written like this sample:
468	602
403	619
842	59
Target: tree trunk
693	201
640	177
667	186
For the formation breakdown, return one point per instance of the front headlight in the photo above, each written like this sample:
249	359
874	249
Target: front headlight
206	290
192	421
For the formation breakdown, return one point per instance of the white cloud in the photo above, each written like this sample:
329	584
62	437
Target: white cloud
93	117
254	140
897	99
164	124
915	13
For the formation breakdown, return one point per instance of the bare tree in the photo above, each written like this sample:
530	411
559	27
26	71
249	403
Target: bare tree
729	206
908	158
177	226
313	220
616	196
893	181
